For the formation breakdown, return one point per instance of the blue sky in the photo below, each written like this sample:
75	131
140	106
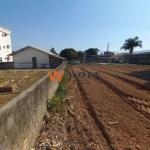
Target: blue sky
78	24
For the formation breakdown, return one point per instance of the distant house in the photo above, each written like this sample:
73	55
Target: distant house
31	57
109	54
97	58
92	57
117	58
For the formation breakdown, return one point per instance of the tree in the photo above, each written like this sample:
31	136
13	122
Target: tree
92	51
80	55
68	53
53	50
130	43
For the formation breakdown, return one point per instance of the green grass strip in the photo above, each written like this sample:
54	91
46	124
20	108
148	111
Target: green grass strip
56	103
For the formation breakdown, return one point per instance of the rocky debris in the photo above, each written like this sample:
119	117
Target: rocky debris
67	98
49	145
53	134
113	123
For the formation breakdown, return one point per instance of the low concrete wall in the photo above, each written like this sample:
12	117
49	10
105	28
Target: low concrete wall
137	59
21	118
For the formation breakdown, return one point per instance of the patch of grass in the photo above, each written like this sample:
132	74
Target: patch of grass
16	75
56	103
45	116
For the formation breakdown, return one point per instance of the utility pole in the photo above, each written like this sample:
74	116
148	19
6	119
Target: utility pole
107	50
52	64
85	57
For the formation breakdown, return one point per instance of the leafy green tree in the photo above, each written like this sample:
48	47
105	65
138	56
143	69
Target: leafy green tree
92	51
130	43
53	50
80	55
69	53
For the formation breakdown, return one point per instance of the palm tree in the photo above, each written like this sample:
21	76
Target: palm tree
130	43
53	50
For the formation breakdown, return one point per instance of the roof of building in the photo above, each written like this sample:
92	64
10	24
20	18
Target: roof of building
59	57
4	30
108	52
49	53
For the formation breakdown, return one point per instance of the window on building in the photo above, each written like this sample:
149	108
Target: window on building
0	59
0	47
4	47
8	46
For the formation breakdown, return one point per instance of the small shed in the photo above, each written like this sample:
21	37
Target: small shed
31	57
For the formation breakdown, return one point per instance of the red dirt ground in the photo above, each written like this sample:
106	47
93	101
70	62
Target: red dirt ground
112	110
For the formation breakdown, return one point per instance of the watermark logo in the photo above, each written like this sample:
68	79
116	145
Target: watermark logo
83	74
56	75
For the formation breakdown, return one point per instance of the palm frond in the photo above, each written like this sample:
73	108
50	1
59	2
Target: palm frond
130	43
136	38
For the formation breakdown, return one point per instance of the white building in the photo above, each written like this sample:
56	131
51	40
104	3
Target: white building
31	57
5	45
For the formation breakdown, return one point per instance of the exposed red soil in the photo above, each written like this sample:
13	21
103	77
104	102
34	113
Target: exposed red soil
131	128
138	71
133	88
111	110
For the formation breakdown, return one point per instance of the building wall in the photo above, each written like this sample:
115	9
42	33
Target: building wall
109	54
21	119
99	59
5	45
137	59
91	58
23	59
54	61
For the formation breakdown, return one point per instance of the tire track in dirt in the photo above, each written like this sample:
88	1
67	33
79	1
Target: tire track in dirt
140	94
129	67
129	73
93	114
127	97
83	134
132	130
126	68
72	124
131	81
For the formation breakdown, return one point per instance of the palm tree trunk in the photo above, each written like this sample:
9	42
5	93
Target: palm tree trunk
131	51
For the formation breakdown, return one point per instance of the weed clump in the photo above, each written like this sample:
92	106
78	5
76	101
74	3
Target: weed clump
55	104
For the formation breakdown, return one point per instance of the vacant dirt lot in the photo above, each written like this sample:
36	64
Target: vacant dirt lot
30	77
112	109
